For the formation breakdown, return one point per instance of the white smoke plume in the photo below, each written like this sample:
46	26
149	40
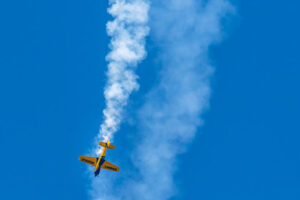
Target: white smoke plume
183	31
128	31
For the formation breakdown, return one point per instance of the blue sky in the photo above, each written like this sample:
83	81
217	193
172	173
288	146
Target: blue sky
52	75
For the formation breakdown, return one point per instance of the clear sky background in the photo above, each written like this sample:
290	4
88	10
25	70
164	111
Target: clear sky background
52	74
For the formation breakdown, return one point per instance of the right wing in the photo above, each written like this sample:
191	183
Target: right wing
110	166
88	160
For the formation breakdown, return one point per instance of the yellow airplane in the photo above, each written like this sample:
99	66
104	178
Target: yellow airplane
100	162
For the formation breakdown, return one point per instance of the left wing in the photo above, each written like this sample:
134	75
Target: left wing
88	160
110	166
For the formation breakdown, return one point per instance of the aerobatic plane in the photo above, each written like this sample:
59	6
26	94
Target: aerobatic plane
100	162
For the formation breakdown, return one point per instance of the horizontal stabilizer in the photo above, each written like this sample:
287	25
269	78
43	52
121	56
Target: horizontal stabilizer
107	145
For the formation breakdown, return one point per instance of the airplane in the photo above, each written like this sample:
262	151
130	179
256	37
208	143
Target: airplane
100	162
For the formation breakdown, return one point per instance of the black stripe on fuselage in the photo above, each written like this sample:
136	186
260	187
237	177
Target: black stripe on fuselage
100	164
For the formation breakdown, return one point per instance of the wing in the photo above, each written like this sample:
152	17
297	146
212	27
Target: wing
88	160
110	166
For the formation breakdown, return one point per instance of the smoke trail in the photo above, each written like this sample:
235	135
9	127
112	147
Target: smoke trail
128	31
183	31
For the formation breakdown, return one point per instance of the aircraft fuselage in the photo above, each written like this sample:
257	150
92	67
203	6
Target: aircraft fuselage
98	167
100	162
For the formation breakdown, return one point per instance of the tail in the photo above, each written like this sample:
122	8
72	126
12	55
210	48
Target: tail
107	145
